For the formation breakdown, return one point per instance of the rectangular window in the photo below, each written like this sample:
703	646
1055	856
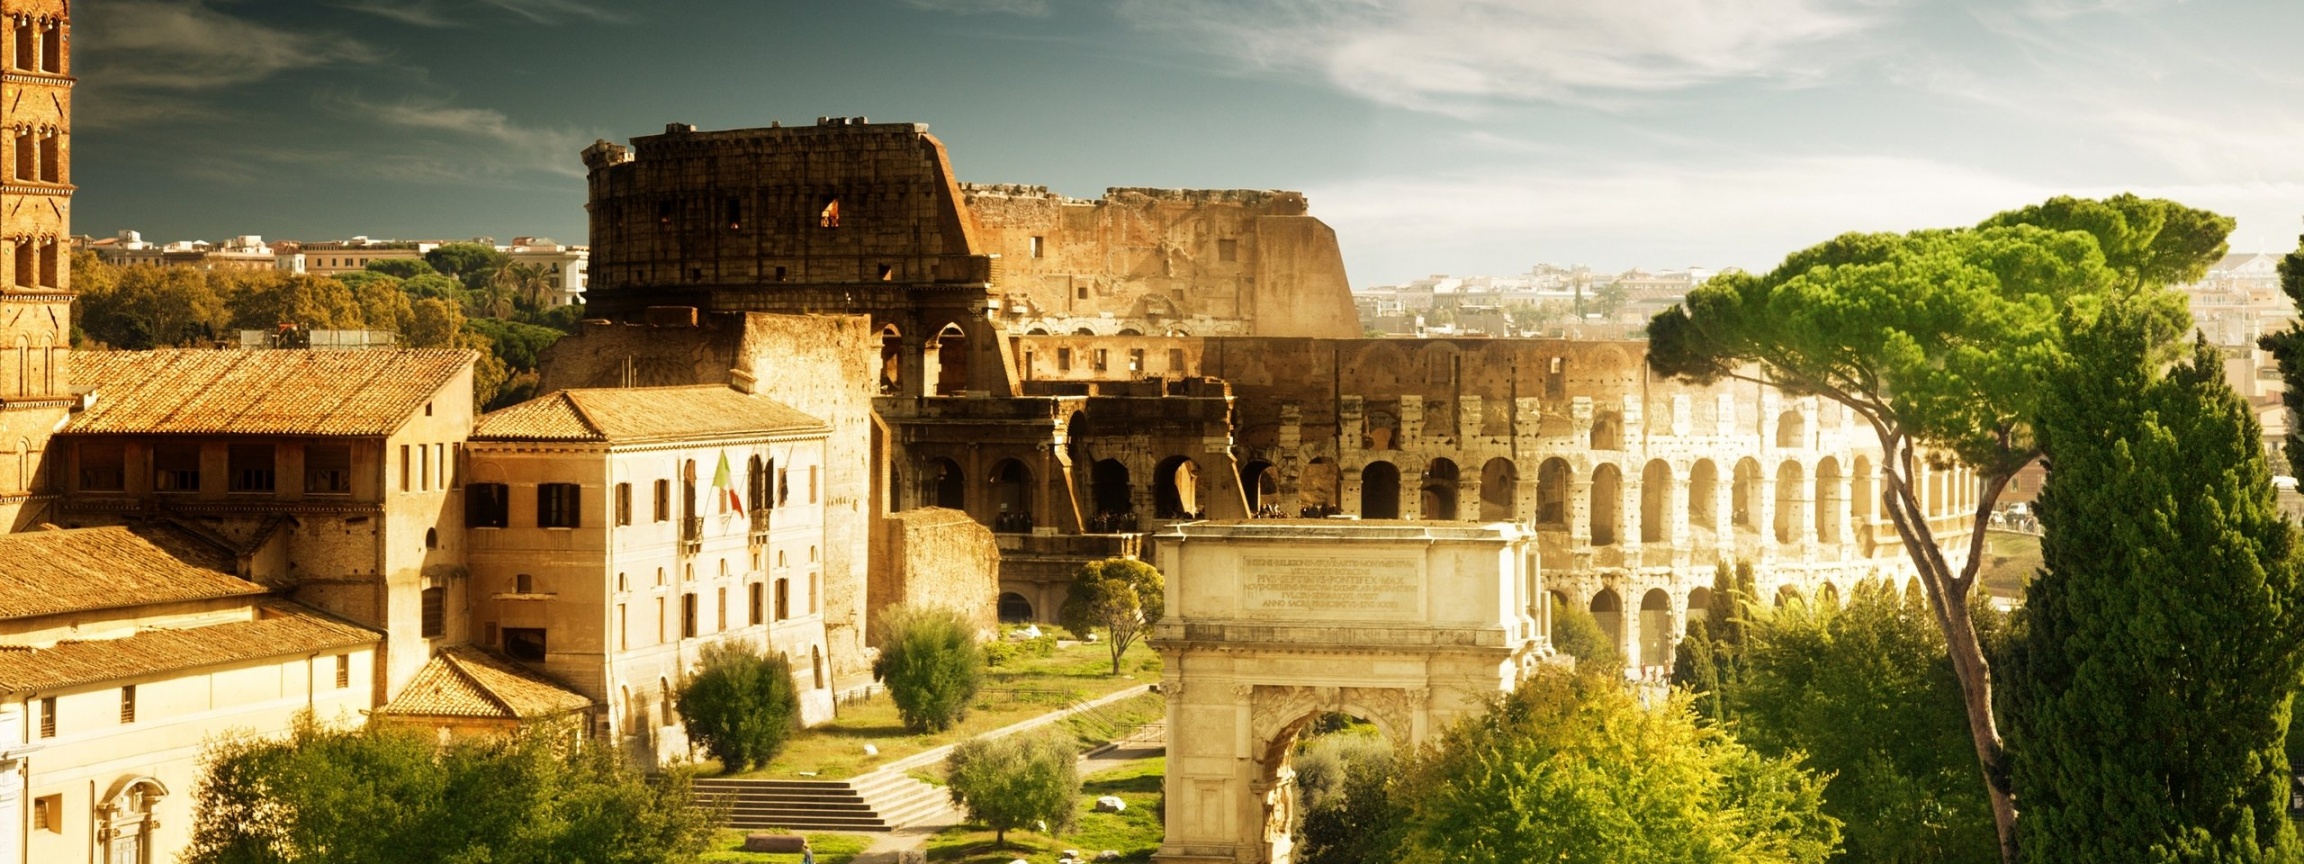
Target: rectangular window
811	484
103	467
1135	359
423	468
176	467
659	617
1175	359
127	704
1039	247
783	599
623	503
251	467
1227	250
812	577
623	629
343	671
328	469
1063	359
404	476
559	505
687	616
434	611
1099	364
524	643
663	501
48	813
439	466
720	609
48	717
759	597
487	505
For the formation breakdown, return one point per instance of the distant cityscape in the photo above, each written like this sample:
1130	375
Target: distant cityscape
565	264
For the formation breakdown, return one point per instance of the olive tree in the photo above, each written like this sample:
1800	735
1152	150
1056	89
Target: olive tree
1121	596
1016	780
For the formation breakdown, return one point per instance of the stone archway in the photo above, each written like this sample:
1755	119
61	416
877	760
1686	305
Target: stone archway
1271	625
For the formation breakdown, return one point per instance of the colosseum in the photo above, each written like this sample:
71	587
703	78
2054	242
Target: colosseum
1075	374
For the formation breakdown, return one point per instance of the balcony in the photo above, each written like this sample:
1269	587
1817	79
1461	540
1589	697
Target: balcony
760	524
691	534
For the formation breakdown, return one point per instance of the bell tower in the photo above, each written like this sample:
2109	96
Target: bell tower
35	249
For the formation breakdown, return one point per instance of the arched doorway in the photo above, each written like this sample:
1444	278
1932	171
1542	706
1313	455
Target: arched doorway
1552	494
1176	489
1316	494
1115	499
125	819
1791	430
1499	491
1744	495
1011	496
1608	610
1827	500
948	356
1380	491
1261	483
1439	497
1656	502
1699	605
1607	503
947	487
1608	431
1656	628
1703	492
891	359
1788	504
1014	608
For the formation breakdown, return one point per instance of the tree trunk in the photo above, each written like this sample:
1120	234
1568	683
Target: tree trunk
1948	598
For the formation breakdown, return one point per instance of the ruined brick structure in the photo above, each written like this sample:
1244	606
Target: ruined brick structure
1076	373
35	261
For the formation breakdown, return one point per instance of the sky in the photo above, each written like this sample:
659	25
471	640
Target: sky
1435	136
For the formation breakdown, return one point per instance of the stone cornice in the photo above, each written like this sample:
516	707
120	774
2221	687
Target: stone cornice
19	76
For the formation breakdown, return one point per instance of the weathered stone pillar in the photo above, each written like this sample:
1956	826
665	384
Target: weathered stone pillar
1580	511
1411	490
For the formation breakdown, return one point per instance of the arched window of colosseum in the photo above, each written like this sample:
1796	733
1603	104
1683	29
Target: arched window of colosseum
1439	498
1699	605
947	486
1828	501
1656	628
1129	331
1261	482
1608	431
1790	487
829	215
1108	484
891	358
1556	378
1499	491
1083	331
1787	596
1014	608
1861	494
735	208
1791	430
1380	491
1703	494
1607	504
1656	502
1316	488
1383	430
1608	612
1552	493
1011	497
1828	596
1744	495
1176	489
945	361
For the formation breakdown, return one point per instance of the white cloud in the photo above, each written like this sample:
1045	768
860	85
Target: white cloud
1455	55
1023	8
470	139
436	14
186	46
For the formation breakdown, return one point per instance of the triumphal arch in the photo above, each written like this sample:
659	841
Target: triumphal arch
1272	623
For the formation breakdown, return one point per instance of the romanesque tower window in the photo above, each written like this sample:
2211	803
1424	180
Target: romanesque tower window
51	164
48	270
26	47
52	47
26	259
27	155
829	217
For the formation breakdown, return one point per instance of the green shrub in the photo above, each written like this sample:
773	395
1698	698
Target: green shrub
1016	780
931	664
1001	652
740	705
1576	633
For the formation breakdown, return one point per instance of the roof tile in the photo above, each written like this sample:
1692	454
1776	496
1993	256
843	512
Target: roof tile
202	391
468	682
50	572
281	629
639	415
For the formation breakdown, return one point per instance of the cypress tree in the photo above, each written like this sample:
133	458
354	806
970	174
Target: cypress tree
2149	695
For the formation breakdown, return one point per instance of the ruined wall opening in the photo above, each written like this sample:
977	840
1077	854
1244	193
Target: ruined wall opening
1380	491
1608	431
1261	482
1656	628
1607	504
1499	491
947	486
1656	502
1828	501
1439	494
1744	495
828	216
1552	493
891	359
1108	484
946	361
1791	430
1704	494
1789	487
1176	489
1608	610
1699	605
1012	497
1014	608
1316	488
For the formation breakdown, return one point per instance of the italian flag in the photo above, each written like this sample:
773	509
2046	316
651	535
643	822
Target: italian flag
729	500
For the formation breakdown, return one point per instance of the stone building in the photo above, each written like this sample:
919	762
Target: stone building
616	533
1073	374
35	229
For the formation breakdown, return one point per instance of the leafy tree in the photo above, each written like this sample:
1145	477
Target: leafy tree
1016	780
264	301
434	323
434	286
528	282
1709	661
401	268
2149	698
931	663
1577	634
1936	341
1866	692
521	345
1123	597
94	281
383	306
383	794
154	307
740	704
473	264
1351	819
1571	767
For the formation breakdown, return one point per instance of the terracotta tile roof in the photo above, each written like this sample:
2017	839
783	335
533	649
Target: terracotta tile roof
639	415
199	391
281	629
469	682
48	572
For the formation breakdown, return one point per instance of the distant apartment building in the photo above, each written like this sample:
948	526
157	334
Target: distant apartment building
2238	301
1549	299
245	252
338	257
565	265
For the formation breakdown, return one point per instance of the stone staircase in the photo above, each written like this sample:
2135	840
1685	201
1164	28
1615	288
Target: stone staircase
878	801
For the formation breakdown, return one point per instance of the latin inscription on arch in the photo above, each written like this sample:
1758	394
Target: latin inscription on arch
1331	587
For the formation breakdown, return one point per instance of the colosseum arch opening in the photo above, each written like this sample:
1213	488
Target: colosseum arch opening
1439	494
1380	491
1656	502
1607	505
1499	491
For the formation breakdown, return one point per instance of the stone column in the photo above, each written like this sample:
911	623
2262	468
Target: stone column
1631	516
1469	504
1842	510
1579	511
1411	491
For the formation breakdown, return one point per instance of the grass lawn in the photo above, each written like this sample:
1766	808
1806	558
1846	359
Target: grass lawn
1134	833
2010	559
1025	688
830	849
